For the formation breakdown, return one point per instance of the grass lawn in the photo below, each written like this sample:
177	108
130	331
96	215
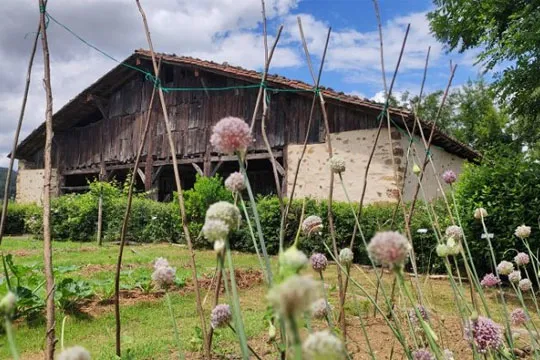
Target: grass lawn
146	326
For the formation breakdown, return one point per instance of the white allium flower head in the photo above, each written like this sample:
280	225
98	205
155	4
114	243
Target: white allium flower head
323	345
454	247
480	213
311	224
505	267
514	276
215	230
294	295
525	284
454	231
442	250
235	182
164	276
7	304
226	212
523	231
160	261
448	354
294	259
389	248
320	308
346	256
219	247
522	259
75	353
337	164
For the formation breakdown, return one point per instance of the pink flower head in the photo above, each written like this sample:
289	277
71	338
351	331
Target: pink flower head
521	259
221	316
518	317
235	182
318	262
525	285
389	248
449	177
231	134
490	280
486	334
422	354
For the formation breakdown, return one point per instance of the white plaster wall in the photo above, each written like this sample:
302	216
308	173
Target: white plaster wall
30	185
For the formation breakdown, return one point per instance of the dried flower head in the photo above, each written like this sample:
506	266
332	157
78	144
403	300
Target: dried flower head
337	164
323	345
414	318
226	212
231	134
422	354
518	317
455	232
480	213
442	250
164	276
294	295
449	177
160	261
215	230
235	182
523	231
525	284
514	276
522	259
490	280
319	262
221	316
320	309
389	248
486	334
7	304
293	259
346	256
74	353
448	354
505	267
311	224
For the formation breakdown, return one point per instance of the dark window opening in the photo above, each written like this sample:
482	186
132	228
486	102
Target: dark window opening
168	75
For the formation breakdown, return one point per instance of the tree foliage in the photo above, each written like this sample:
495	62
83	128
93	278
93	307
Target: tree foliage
3	179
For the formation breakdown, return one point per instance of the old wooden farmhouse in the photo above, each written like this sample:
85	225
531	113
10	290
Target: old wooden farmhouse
101	128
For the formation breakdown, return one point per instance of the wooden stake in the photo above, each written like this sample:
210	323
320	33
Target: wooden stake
200	309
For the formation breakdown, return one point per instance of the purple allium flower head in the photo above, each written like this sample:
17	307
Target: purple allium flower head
323	345
312	223
221	316
525	284
490	280
164	276
449	177
74	353
235	182
518	317
159	262
422	354
454	231
505	267
521	259
523	231
319	262
486	334
231	134
423	312
389	248
514	276
320	308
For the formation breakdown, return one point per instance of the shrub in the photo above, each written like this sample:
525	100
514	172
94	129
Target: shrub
17	215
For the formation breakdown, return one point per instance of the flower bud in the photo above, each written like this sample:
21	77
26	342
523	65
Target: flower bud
7	304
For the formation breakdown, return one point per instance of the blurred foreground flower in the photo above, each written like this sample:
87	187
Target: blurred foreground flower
323	345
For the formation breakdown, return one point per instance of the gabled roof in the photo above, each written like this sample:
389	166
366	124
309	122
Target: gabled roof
80	107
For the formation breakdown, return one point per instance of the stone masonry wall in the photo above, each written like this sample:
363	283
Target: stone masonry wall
30	185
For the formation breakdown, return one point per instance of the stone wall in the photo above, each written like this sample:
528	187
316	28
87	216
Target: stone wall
30	185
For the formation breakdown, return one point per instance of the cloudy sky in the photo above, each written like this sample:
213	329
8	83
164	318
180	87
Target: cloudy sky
219	30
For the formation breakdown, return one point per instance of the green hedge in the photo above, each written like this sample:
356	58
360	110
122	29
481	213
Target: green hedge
18	217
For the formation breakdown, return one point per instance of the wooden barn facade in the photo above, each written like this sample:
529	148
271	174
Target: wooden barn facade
99	130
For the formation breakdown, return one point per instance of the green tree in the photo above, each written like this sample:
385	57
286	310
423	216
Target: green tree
507	32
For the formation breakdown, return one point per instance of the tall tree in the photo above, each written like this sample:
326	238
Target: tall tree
507	32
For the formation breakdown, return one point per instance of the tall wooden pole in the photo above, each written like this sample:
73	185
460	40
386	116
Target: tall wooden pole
47	244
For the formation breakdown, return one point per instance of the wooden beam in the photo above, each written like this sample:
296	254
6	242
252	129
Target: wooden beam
141	174
197	169
75	188
280	169
156	174
216	168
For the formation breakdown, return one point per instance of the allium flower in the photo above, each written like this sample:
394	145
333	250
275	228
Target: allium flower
231	134
514	276
518	317
389	248
235	182
74	353
346	256
449	177
226	212
454	231
164	276
318	262
215	230
293	259
311	224
486	334
448	354
159	262
525	284
442	250
523	231
337	164
320	308
490	280
480	213
219	247
294	295
423	313
521	259
422	354
505	267
221	316
272	332
323	345
7	304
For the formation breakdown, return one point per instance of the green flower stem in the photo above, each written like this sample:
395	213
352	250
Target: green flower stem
364	331
175	326
519	294
249	347
11	339
250	227
297	343
329	315
257	221
532	291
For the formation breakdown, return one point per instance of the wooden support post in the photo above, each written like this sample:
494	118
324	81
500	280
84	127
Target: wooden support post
149	165
102	175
